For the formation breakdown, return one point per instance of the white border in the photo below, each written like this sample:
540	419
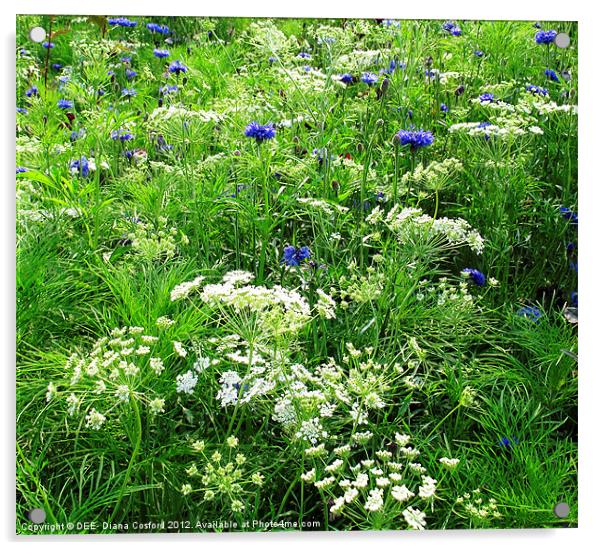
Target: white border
590	106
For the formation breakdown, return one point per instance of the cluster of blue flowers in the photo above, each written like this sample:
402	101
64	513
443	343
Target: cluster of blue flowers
48	45
260	132
416	139
177	67
452	28
551	75
80	166
121	22
121	135
487	97
159	29
346	78
293	256
536	90
33	91
65	104
475	275
128	92
161	54
369	78
569	215
531	313
545	37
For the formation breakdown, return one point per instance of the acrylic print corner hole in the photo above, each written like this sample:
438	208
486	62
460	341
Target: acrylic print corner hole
295	274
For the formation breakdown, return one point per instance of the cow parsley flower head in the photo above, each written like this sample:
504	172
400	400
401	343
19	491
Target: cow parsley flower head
94	419
416	139
260	132
185	383
415	518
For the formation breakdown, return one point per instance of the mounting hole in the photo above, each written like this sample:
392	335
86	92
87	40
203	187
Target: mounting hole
37	34
37	515
561	510
562	40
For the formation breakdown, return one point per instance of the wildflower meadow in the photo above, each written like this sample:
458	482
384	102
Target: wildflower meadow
295	274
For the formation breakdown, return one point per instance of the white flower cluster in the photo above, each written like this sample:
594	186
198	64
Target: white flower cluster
116	370
410	222
278	311
366	484
182	290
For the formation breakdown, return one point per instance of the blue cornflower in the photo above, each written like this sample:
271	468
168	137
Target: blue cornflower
126	59
177	67
57	66
478	53
122	22
294	256
416	139
80	166
530	312
370	79
484	124
477	277
155	27
304	55
21	170
507	443
551	75
22	110
272	59
32	91
64	79
569	215
166	90
545	37
574	266
487	97
160	53
129	92
65	104
393	66
75	135
260	132
574	298
536	90
48	45
121	135
346	78
390	23
570	247
129	74
444	108
452	28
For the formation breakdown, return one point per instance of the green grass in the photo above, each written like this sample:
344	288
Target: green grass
411	346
